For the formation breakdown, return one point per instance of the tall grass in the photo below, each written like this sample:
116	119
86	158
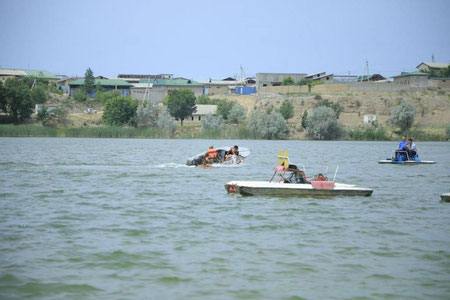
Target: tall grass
27	131
368	133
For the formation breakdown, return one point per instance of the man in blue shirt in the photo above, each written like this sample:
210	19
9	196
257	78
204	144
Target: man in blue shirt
401	148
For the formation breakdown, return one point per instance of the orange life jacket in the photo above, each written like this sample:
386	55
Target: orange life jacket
212	153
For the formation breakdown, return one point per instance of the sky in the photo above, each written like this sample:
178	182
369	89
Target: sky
212	39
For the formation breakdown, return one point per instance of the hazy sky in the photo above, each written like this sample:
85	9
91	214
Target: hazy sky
203	39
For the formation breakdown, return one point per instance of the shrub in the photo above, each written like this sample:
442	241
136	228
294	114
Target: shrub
403	116
287	110
236	114
103	97
323	124
212	122
38	94
305	119
334	105
80	95
447	132
288	81
268	125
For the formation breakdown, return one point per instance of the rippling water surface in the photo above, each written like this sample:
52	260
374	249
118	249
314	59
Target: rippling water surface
124	218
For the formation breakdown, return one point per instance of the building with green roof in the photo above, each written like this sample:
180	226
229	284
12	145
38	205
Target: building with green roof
106	84
8	73
156	90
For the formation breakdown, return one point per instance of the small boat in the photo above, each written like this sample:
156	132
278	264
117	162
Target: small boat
293	182
403	158
198	160
446	197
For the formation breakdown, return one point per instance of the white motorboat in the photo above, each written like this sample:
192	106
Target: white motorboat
293	182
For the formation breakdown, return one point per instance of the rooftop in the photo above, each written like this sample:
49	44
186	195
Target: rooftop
25	72
103	82
435	65
411	74
171	82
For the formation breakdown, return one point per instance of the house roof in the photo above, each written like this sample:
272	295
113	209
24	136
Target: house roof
403	74
171	82
141	85
25	72
8	72
40	74
102	82
205	109
435	65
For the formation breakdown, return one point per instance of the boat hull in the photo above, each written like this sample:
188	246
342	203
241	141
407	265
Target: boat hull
445	197
289	189
406	162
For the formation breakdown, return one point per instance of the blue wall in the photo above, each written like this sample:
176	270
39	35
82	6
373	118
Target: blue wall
245	90
123	92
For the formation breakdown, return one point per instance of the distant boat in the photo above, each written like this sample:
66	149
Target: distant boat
446	197
403	158
293	182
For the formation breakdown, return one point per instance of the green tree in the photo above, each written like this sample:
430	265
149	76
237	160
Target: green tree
38	94
288	81
236	114
80	95
323	124
18	102
43	115
305	119
120	111
181	103
2	97
89	81
403	116
447	132
224	108
287	110
268	125
445	72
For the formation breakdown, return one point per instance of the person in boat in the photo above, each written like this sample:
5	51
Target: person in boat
411	148
211	156
233	151
401	148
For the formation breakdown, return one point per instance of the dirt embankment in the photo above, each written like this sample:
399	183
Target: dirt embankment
432	106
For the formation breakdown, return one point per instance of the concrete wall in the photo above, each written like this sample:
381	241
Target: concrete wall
412	81
274	79
158	93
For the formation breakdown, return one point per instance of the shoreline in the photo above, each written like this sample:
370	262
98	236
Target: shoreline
23	131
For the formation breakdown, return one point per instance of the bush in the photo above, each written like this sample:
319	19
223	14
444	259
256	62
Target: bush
323	124
120	111
236	114
287	110
288	81
268	125
103	97
403	116
368	133
305	119
212	122
80	95
16	99
447	132
334	105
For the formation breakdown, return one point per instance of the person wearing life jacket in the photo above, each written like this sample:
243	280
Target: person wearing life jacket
211	155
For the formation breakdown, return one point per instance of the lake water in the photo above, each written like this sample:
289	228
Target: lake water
125	219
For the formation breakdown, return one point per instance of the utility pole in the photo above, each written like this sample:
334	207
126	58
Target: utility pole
432	58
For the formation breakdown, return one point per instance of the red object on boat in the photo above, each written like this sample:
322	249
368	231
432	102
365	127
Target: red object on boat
322	185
